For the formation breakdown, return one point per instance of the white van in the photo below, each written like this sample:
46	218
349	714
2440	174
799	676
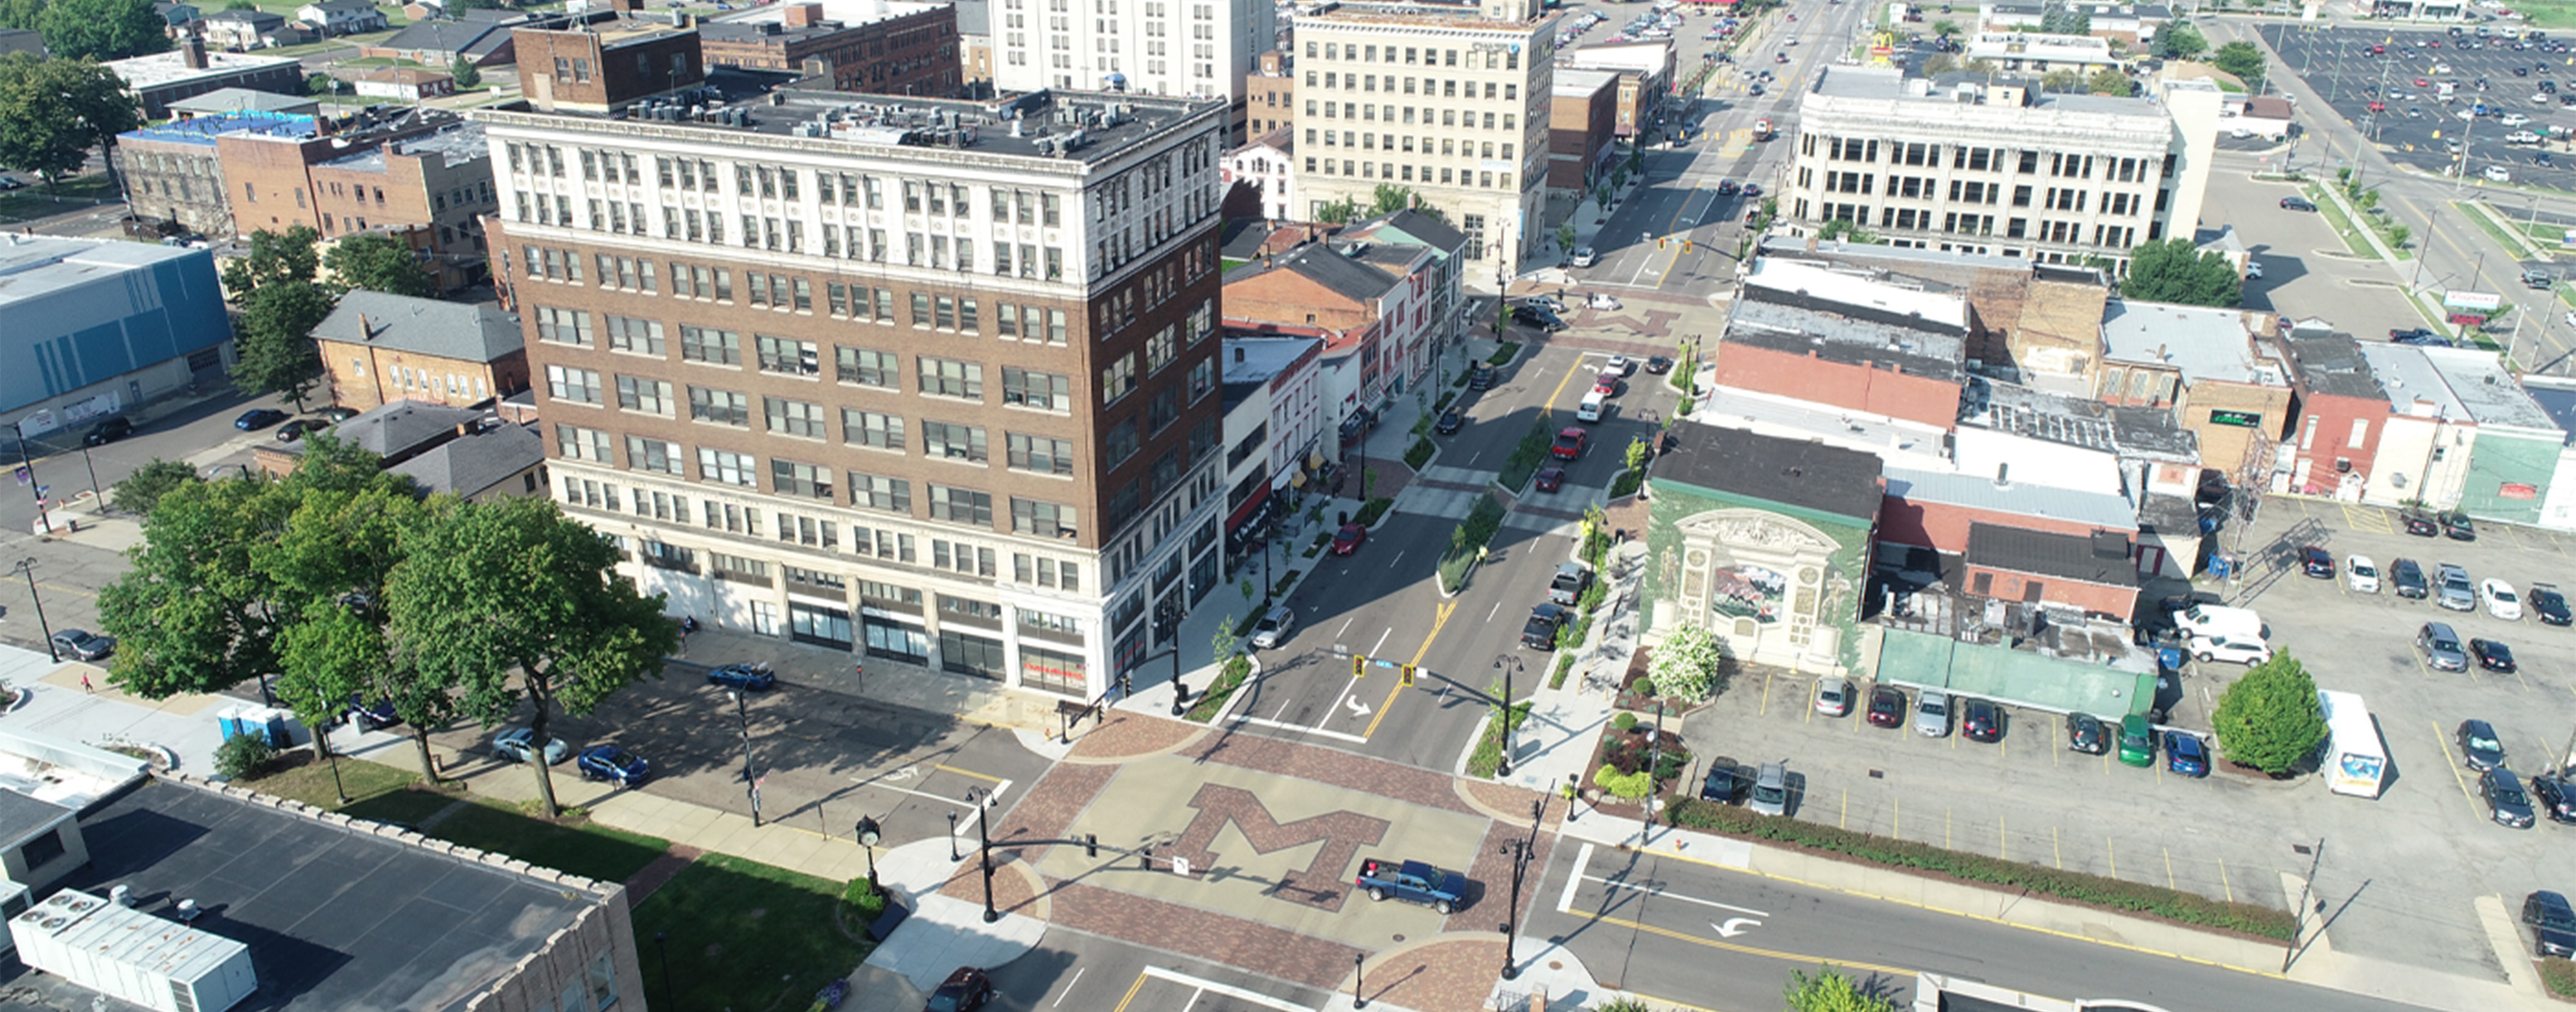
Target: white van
2219	620
1590	411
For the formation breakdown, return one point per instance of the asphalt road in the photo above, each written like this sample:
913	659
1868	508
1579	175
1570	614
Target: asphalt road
1660	928
1078	970
2416	124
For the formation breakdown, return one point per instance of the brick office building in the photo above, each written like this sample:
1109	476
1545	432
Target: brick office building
937	390
1270	94
883	47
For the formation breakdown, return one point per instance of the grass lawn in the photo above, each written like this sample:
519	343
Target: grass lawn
297	775
35	201
744	935
2352	238
574	845
2547	14
2485	223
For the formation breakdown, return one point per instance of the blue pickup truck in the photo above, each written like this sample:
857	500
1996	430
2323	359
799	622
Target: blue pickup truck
1413	882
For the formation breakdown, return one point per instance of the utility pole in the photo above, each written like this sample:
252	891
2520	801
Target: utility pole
1510	664
2299	913
27	567
750	776
983	801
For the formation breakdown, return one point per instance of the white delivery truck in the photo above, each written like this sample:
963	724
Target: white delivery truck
2218	620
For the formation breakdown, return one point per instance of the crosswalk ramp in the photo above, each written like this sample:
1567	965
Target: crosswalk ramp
1444	492
1443	474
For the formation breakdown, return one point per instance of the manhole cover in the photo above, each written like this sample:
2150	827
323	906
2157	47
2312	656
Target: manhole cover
1399	938
1555	965
1877	774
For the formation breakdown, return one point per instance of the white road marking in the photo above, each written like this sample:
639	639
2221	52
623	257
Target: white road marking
1582	860
1068	986
1357	708
1228	990
1326	732
1346	627
1391	562
1658	891
1493	611
1734	926
1381	641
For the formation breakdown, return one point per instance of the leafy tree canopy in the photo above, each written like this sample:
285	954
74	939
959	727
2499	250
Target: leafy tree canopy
2109	81
2180	41
102	29
1829	991
143	489
2270	719
380	263
2174	270
52	112
277	354
24	15
2241	59
274	257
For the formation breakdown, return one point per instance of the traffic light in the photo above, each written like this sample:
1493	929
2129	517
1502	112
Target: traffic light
1686	245
1359	666
1408	674
1091	845
1660	241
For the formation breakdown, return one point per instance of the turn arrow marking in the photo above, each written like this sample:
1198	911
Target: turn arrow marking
1735	926
1358	709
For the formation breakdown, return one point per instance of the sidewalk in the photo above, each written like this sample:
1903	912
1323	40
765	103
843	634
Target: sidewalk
1555	744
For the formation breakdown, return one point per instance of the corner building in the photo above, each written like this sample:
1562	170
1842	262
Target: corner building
933	383
1451	104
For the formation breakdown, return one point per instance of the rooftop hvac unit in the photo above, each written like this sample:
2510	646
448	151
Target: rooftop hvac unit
131	955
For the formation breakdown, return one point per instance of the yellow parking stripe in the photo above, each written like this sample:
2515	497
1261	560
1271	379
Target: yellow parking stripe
2368	518
2443	746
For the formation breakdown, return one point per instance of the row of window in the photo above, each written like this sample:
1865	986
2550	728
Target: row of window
1422	56
1449	146
1368	112
947	503
1429	86
1387	171
2068	232
2028	162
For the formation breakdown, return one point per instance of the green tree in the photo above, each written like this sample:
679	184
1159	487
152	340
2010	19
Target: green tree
1635	455
2180	41
274	258
24	15
240	5
320	85
379	263
2241	59
2060	20
1565	235
2060	80
102	30
275	343
2173	270
1339	212
1390	198
140	491
2397	235
1830	991
1945	28
519	605
2270	719
1223	644
468	76
2109	81
1636	160
337	553
1685	665
52	112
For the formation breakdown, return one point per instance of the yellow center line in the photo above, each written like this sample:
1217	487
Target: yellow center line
1396	684
1139	985
1549	408
2169	874
1747	949
967	773
2058	846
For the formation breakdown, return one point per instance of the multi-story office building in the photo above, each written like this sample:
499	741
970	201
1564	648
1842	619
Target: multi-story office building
883	47
1451	105
1198	48
937	385
1994	166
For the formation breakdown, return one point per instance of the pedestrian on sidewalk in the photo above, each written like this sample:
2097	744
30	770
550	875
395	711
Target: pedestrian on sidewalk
85	686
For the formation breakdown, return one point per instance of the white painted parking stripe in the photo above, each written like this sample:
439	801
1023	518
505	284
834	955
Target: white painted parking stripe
1228	990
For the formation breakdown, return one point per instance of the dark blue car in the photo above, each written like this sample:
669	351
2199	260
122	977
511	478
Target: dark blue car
747	677
256	419
613	764
2184	754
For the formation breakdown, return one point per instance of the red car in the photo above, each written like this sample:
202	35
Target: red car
1551	478
2422	83
2378	106
1347	540
1568	445
1887	706
1607	385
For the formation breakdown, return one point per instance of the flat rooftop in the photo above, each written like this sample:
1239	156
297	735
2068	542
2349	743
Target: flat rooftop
2142	432
454	146
848	13
1888	84
32	267
2203	343
172	67
2486	389
336	917
1788	416
2415	389
245	100
202	130
1083	126
1259	359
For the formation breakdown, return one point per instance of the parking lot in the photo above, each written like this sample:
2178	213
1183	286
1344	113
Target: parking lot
2398	874
2416	123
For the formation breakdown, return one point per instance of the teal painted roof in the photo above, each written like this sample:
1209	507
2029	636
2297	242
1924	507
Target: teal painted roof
2018	677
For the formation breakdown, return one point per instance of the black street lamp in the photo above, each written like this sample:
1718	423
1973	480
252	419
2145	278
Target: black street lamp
27	463
869	833
1510	665
27	567
1654	762
750	776
1518	852
1359	968
983	801
322	740
953	856
662	950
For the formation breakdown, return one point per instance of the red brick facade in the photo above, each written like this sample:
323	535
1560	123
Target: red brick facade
1876	388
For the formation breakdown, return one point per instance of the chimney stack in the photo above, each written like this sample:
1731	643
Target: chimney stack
366	331
801	15
626	6
195	53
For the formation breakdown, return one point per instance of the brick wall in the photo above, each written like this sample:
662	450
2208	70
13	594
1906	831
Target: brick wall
1876	389
1944	526
2094	598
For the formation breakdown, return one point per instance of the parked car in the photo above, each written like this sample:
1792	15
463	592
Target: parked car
2409	578
1982	721
1274	627
1583	257
1770	790
375	716
1932	714
2441	647
1539	633
1450	422
2492	655
335	414
1550	479
114	428
2361	574
2550	923
256	419
1725	783
2420	523
2506	803
1658	365
83	645
515	744
2457	526
296	429
965	990
2137	742
2480	749
2186	754
2547	603
1536	317
613	764
2411	335
2084	734
1571	580
1887	706
2297	204
2232	648
1412	882
1481	377
2316	562
1568	445
1349	539
755	677
2555	796
2501	601
1833	695
2454	589
1620	364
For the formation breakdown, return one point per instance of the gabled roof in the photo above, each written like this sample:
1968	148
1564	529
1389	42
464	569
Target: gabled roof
1792	472
251	16
2102	558
1409	223
471	465
422	326
398	430
1325	266
331	6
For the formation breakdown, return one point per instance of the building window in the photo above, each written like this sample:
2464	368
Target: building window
950	378
563	326
971	655
720	347
870	428
787	477
1046	391
952	441
789	356
1117	379
1040	454
724	467
794	418
723	407
573	442
649	396
579	386
878	492
640	337
1044	519
868	368
961	506
1054	671
1121	442
652	455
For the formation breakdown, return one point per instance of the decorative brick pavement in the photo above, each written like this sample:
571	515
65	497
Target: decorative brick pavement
1125	734
1507	802
1332	766
659	872
1450	975
1320	884
1016	888
1233	941
1052	803
1492	873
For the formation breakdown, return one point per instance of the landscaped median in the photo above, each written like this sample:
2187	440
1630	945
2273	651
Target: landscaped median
2191	909
1467	543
